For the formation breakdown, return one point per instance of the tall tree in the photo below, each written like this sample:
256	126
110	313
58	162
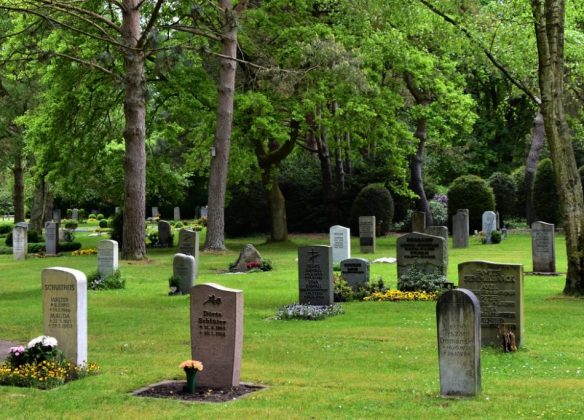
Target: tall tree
549	18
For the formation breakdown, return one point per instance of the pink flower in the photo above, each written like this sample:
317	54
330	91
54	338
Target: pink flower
17	351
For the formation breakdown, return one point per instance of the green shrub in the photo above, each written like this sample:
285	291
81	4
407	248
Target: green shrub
6	228
115	281
91	216
505	194
345	293
69	213
36	248
545	194
439	209
103	223
473	193
68	246
100	216
71	224
521	190
496	236
373	200
179	225
416	280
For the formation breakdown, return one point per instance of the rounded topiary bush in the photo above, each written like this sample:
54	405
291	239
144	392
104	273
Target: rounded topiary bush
505	195
373	200
473	193
103	223
546	202
100	216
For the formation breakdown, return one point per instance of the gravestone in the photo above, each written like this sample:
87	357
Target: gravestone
315	275
65	310
204	211
499	288
418	221
107	258
188	242
177	213
355	271
75	214
20	241
367	234
340	238
164	233
458	318
117	210
543	247
217	334
57	215
489	225
155	212
249	258
184	267
198	212
441	231
460	229
51	238
498	220
428	253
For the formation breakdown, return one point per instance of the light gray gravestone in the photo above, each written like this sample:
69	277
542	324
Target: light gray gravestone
315	275
184	267
489	225
188	242
419	221
155	212
367	234
355	271
164	233
57	215
499	288
340	238
460	229
75	214
176	213
20	241
428	253
441	231
51	238
64	293
217	334
543	247
117	210
458	318
204	211
107	257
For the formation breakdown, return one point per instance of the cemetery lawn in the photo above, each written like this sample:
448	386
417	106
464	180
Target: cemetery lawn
378	360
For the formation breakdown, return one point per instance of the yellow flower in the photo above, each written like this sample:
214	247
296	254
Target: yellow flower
191	364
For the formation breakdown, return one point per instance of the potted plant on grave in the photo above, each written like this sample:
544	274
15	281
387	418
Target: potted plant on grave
191	367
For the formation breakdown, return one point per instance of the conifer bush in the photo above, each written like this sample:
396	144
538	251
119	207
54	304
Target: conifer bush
546	202
473	193
373	200
505	194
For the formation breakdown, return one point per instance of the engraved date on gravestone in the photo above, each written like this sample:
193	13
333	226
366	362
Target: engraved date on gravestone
456	342
212	324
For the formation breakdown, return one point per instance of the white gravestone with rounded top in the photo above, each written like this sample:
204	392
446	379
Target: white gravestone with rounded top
184	268
107	257
20	241
340	238
489	225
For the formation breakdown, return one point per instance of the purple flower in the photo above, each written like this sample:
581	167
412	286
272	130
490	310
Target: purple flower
17	351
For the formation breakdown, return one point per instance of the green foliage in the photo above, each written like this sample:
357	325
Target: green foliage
521	191
117	226
496	236
91	216
546	202
6	228
103	223
345	293
179	225
32	237
505	194
71	224
99	216
417	280
68	246
308	312
473	193
114	281
439	209
373	200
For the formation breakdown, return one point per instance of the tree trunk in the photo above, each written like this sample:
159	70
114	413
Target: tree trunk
277	204
416	165
549	31
18	193
37	211
133	244
537	141
215	239
339	164
348	166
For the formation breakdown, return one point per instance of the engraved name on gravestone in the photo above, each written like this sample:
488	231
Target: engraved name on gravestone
441	231
107	257
543	248
20	241
489	225
176	213
184	268
355	271
460	229
459	343
64	293
418	221
428	253
51	238
315	275
164	236
155	212
217	334
340	238
367	234
75	214
499	288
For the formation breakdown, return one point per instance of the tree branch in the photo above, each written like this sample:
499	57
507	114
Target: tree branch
150	24
84	62
68	7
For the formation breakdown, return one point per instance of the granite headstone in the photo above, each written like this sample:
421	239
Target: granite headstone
428	253
184	267
460	229
176	213
107	257
419	221
51	238
489	225
355	271
340	239
315	275
20	241
367	234
543	248
164	233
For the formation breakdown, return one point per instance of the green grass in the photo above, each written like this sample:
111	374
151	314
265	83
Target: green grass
378	360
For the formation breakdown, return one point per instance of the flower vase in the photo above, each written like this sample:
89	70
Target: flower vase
191	373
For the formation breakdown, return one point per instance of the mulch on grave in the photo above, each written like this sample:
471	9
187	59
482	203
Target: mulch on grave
177	391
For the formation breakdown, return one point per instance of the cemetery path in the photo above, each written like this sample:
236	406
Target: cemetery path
5	348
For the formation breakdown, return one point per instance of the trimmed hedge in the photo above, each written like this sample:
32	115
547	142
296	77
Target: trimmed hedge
505	194
473	193
546	202
373	200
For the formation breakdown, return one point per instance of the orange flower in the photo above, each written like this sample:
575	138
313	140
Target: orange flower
191	364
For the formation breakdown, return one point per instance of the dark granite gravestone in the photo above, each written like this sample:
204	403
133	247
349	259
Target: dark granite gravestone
428	253
441	231
315	275
543	248
355	271
460	229
418	221
459	343
489	225
367	234
499	288
217	334
51	238
164	233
